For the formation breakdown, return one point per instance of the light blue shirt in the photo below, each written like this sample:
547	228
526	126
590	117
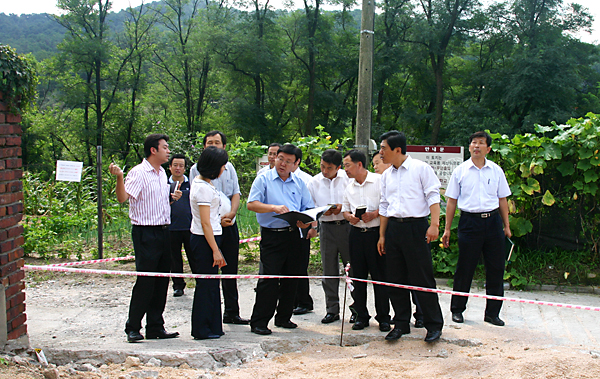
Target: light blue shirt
269	188
478	189
226	183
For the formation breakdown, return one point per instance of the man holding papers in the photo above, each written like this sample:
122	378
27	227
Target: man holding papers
275	192
328	188
364	192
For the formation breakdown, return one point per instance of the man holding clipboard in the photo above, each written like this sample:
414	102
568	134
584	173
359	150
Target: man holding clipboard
276	192
479	188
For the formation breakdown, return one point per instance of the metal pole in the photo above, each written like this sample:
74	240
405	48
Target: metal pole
365	77
99	191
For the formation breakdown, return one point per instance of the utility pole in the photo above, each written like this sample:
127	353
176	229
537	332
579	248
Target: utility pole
365	77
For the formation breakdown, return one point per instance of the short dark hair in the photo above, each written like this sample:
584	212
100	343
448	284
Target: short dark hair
288	148
357	156
214	133
274	144
481	134
332	156
152	142
178	156
210	162
374	155
395	139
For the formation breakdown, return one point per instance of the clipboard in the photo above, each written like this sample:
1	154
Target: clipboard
307	216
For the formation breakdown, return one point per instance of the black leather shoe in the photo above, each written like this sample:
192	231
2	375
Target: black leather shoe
330	317
286	324
352	318
177	293
458	317
301	310
385	327
419	324
161	335
360	325
494	320
235	320
433	335
133	336
394	334
260	330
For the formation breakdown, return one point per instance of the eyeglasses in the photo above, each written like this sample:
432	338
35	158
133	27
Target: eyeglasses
289	163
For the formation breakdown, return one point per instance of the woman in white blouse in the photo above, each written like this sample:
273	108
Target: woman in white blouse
206	257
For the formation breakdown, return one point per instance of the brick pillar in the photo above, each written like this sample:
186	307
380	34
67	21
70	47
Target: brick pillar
11	232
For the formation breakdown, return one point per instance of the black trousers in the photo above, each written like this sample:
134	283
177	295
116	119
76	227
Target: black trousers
230	247
303	298
206	311
365	260
408	261
179	238
280	254
149	294
478	236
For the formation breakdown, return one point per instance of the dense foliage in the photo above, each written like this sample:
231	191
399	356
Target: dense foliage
18	79
441	70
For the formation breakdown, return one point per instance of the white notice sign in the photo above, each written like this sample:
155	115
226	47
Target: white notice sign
68	171
443	159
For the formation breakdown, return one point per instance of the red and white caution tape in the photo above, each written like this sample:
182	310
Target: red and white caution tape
127	258
167	274
349	281
502	298
250	239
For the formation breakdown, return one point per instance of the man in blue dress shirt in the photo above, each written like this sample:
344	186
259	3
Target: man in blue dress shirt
275	192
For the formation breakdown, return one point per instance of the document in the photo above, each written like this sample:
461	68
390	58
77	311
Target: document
307	216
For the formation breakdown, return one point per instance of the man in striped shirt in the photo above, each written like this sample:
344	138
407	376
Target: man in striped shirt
147	190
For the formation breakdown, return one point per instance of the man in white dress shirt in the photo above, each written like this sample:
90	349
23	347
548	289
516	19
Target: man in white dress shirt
364	191
328	188
410	192
479	187
271	156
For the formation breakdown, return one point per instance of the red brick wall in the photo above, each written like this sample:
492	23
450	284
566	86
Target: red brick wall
11	212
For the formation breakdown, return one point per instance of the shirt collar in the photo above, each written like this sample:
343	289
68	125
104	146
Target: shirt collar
406	164
340	174
470	164
185	179
148	167
275	175
370	178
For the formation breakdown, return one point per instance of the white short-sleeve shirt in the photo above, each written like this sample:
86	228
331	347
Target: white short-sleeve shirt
478	189
203	193
366	194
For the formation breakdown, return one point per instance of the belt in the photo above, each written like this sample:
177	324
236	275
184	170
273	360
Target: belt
367	230
336	222
408	219
286	229
152	226
482	214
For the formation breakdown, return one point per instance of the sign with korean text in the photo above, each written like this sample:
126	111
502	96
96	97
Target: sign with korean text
443	159
68	171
